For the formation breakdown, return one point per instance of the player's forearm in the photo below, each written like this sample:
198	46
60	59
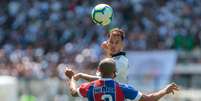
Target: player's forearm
171	88
157	95
73	87
153	96
88	77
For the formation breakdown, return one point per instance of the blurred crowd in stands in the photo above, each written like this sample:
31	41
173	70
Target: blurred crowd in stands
38	38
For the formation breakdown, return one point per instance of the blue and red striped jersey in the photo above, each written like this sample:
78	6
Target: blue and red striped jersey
108	90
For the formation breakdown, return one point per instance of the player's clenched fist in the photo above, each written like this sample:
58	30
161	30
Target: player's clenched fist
171	88
69	73
104	46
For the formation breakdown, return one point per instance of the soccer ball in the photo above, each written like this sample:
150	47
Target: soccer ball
102	14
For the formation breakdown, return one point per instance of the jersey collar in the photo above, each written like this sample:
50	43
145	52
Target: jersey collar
118	54
106	79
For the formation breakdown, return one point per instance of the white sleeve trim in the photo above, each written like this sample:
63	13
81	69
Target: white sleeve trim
78	92
137	98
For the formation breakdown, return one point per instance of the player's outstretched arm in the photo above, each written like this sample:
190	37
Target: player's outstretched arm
171	88
69	73
85	77
73	87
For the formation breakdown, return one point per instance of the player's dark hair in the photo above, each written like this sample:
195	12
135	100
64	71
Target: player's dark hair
120	32
107	66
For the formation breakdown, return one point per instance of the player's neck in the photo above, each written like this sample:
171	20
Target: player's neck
107	76
118	53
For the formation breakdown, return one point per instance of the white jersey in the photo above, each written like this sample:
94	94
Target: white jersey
122	67
121	62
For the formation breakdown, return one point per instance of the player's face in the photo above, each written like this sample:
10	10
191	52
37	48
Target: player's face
115	44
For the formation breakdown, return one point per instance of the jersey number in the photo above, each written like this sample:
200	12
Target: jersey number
106	96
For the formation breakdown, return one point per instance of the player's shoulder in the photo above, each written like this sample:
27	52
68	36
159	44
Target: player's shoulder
120	56
121	60
122	53
125	85
86	84
98	82
130	92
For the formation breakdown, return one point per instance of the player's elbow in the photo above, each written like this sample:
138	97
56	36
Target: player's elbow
73	93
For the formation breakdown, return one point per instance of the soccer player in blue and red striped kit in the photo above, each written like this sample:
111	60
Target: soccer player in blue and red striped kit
107	89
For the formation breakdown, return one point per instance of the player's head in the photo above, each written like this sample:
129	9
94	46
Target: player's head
107	68
115	40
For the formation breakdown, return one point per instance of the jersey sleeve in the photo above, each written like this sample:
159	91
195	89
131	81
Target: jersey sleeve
130	92
83	89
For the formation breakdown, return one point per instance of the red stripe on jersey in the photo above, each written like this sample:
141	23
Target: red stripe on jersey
84	88
97	96
119	93
98	83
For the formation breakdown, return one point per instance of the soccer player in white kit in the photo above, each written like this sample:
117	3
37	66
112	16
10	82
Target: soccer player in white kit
113	47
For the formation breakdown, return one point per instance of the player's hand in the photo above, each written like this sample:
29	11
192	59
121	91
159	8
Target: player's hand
69	73
104	45
77	76
171	88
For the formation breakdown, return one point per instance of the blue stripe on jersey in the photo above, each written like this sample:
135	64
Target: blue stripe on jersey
110	85
129	91
90	93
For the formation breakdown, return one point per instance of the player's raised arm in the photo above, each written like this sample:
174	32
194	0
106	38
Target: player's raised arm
171	88
69	73
73	87
132	94
85	77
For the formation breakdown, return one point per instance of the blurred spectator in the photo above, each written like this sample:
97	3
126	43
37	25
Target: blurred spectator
39	37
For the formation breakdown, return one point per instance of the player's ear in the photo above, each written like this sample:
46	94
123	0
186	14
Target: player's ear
114	75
